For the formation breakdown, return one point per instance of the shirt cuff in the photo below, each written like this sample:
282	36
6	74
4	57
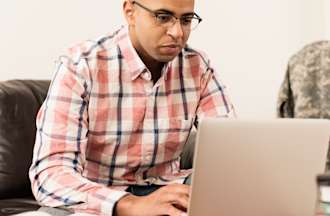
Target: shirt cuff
105	199
101	202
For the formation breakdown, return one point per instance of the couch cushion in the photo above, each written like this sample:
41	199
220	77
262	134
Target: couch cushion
19	103
15	206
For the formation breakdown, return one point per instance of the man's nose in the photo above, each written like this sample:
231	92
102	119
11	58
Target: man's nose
176	30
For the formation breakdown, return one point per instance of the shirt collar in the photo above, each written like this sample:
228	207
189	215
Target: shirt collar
135	64
133	60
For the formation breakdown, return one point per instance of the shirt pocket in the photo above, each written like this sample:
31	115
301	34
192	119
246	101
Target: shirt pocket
170	138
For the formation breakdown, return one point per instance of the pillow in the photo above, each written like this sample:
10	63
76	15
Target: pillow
20	101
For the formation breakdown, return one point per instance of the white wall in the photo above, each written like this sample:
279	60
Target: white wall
35	32
327	14
249	42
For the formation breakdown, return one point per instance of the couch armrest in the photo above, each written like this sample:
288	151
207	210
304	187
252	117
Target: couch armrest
20	101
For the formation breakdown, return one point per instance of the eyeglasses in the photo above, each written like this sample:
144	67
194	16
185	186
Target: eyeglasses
188	22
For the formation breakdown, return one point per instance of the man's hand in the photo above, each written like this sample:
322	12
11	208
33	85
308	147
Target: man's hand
169	200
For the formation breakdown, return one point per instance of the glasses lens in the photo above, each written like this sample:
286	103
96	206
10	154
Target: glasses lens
164	19
194	23
168	20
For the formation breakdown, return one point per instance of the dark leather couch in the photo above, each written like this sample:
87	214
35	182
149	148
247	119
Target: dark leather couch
19	103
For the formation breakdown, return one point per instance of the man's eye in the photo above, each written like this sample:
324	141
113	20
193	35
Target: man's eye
186	20
163	18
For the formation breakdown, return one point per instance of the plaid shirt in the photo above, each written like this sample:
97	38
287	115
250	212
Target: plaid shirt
105	125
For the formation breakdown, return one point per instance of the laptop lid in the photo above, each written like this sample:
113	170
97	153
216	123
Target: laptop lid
258	167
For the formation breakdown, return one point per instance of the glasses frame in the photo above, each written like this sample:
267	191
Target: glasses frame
156	14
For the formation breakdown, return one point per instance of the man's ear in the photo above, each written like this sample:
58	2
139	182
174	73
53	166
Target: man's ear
128	10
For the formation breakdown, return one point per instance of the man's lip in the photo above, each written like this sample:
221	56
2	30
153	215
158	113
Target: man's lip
171	45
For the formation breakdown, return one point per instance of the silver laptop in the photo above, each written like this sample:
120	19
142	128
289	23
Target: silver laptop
258	167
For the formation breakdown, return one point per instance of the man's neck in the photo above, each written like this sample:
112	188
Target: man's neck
155	67
156	71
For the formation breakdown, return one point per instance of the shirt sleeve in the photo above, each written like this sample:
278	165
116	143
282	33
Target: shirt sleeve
59	155
214	99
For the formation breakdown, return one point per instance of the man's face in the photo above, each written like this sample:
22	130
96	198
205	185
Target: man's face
152	40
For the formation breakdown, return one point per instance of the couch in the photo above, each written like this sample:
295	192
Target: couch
19	103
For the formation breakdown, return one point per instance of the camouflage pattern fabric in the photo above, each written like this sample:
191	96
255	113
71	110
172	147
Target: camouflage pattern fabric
305	92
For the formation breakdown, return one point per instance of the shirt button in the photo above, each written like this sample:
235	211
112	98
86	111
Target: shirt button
148	157
152	180
149	92
146	75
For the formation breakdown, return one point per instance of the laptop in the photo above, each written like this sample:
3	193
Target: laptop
258	167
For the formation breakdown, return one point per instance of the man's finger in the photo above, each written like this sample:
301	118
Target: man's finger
177	188
172	211
180	200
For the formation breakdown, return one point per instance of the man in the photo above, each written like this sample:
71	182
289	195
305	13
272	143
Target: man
118	113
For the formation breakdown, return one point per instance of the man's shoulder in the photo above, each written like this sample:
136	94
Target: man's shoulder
91	48
196	55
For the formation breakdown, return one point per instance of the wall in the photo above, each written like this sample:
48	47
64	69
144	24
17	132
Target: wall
35	32
249	42
327	13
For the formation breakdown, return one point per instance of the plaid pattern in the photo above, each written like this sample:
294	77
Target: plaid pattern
104	125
